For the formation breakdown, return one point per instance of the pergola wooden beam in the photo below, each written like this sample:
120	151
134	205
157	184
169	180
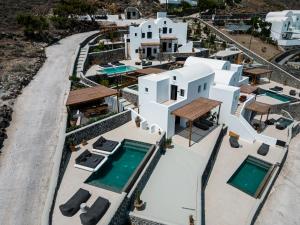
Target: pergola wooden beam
195	110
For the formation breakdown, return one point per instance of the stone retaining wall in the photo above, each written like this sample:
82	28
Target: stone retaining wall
95	129
169	56
292	108
131	97
106	56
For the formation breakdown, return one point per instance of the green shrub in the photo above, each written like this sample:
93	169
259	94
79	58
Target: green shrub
32	24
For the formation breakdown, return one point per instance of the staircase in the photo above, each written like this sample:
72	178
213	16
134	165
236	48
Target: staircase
81	58
237	112
126	104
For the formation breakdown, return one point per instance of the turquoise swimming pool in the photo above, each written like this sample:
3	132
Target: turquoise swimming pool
117	70
250	175
121	168
280	97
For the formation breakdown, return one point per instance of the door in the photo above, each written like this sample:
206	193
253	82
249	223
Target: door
149	52
173	92
164	48
128	15
175	47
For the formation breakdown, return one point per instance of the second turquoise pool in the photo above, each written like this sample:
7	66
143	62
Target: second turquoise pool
117	70
250	176
120	167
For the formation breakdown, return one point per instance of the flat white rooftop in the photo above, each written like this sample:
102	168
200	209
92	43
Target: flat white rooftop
172	193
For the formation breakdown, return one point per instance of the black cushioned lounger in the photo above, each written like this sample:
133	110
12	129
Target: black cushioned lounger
88	159
201	125
263	149
96	212
234	142
72	206
206	122
105	145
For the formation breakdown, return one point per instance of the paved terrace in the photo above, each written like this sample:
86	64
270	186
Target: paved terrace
74	178
226	204
172	193
26	163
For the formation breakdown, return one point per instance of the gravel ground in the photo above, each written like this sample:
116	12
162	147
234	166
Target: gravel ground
283	203
27	160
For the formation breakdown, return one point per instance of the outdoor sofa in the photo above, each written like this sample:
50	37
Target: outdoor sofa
105	146
276	88
89	161
200	125
72	206
95	212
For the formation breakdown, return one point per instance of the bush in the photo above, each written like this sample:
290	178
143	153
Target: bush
33	25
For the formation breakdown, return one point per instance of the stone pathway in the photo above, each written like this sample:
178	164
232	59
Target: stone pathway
27	160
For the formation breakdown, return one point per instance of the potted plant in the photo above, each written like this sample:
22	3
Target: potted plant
72	145
138	203
138	121
168	142
191	219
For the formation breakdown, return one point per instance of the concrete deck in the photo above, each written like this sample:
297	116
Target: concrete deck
226	204
172	193
268	100
74	178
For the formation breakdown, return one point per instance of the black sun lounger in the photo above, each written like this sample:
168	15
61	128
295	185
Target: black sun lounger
89	161
96	212
201	126
118	63
234	142
206	122
104	145
276	88
72	206
263	149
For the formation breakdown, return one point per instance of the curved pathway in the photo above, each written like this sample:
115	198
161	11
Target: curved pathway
27	160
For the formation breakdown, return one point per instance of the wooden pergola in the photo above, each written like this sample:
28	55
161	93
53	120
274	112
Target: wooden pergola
247	89
256	73
149	70
89	95
260	108
195	110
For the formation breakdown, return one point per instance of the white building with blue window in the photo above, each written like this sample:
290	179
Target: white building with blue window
153	36
285	27
161	94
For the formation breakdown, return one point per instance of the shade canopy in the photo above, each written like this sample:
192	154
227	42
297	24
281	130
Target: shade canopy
196	108
91	94
247	89
257	71
259	107
149	70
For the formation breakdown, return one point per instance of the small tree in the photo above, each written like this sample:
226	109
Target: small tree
33	24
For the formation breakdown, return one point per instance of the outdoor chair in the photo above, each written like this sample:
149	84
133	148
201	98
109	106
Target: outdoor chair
270	121
234	142
280	127
95	212
105	145
263	149
292	92
72	206
206	122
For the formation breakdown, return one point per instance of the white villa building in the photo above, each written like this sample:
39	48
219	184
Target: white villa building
153	36
285	27
161	94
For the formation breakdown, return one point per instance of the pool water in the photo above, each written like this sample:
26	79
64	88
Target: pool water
117	70
277	96
120	167
250	175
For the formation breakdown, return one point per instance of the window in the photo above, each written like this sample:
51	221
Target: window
149	35
146	89
149	26
143	35
136	51
199	88
165	30
205	86
174	77
154	50
170	45
133	13
143	51
182	92
170	30
165	22
135	34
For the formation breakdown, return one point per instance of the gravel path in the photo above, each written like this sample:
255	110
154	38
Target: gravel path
283	203
27	159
